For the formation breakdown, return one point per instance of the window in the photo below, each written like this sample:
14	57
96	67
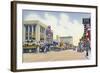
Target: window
26	32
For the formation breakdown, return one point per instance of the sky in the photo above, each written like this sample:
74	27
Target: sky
62	23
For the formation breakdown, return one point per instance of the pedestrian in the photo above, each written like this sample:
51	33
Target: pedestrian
87	47
81	45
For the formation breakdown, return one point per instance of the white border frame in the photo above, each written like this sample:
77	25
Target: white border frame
34	65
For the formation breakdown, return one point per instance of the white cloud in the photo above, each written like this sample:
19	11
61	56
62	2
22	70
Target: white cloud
65	27
51	20
71	27
32	16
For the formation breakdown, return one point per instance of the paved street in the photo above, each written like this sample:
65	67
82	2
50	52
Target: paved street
53	56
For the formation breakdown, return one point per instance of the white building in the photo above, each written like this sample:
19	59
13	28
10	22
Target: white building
33	30
67	39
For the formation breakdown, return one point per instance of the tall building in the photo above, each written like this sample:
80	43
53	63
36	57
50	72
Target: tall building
49	35
34	31
87	28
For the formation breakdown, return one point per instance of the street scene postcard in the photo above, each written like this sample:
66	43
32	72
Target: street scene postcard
55	36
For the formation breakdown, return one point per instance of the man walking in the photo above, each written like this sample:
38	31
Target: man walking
87	47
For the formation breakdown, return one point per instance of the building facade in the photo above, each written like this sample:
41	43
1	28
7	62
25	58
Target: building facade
87	28
34	31
67	39
49	35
